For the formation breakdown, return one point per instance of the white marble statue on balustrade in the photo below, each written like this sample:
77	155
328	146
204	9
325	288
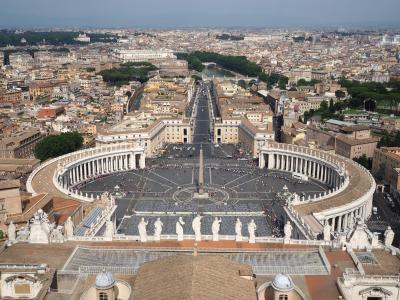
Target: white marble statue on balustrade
238	230
287	230
196	226
327	232
39	229
215	228
69	228
179	228
11	230
359	237
104	198
251	228
56	235
375	240
142	230
158	225
389	236
109	232
23	233
296	198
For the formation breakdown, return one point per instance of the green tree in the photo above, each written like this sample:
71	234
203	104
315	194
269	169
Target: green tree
56	145
380	175
127	72
331	106
324	105
238	64
242	83
340	94
364	161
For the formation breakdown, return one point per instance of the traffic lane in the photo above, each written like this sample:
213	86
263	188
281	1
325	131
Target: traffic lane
386	215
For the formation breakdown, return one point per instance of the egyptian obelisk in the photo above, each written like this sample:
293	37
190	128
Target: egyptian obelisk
200	189
201	172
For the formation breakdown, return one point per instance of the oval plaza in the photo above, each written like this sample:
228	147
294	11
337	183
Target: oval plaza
307	187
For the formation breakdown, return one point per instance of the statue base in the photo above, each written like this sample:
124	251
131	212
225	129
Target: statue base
200	196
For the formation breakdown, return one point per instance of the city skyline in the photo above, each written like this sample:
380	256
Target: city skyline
180	14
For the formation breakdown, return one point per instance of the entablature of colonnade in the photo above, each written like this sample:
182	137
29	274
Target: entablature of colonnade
350	206
292	153
96	156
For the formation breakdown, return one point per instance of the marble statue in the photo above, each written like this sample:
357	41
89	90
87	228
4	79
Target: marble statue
375	240
196	226
56	235
158	225
69	228
296	198
327	232
238	230
142	230
109	232
287	230
179	228
389	236
359	237
215	228
251	228
23	233
11	232
39	229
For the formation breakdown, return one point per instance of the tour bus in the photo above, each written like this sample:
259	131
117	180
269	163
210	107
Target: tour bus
300	176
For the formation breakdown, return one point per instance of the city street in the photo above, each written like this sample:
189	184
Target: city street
202	118
387	215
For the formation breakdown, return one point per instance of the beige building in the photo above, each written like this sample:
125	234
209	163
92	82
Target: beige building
147	130
244	119
386	165
295	134
355	141
20	145
14	168
167	95
243	132
10	199
348	141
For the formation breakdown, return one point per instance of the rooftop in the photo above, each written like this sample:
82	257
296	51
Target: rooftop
193	277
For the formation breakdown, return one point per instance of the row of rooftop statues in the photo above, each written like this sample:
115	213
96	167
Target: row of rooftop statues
196	226
40	230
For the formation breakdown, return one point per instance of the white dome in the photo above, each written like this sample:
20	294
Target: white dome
282	282
104	280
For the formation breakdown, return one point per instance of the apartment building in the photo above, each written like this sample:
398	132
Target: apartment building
20	144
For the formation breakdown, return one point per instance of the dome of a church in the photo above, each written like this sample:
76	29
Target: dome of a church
104	280
282	282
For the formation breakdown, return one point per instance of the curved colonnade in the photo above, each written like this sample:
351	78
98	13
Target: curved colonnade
351	186
64	174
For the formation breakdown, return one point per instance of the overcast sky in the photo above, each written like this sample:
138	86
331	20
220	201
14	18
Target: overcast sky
197	13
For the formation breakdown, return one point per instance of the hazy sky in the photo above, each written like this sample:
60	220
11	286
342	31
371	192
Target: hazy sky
190	13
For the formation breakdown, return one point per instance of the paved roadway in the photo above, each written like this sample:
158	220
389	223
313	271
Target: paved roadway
201	130
387	216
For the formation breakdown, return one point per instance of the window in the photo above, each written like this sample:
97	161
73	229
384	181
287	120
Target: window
283	297
103	296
